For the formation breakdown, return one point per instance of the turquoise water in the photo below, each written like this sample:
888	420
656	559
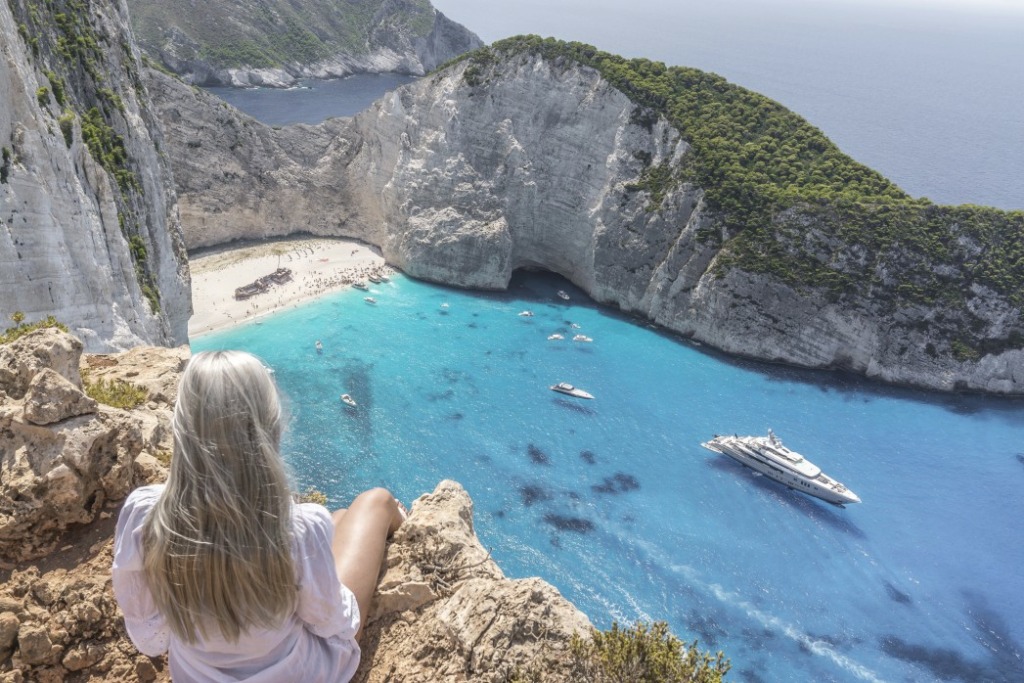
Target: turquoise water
614	501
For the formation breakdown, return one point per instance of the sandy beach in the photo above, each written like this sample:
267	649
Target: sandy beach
318	266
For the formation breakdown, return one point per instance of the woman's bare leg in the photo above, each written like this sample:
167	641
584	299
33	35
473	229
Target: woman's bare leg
360	536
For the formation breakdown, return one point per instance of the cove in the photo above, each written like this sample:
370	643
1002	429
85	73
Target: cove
615	503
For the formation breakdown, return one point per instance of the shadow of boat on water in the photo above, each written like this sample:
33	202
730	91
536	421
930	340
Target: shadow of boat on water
816	509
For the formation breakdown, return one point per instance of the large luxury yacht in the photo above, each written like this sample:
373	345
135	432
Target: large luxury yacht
767	455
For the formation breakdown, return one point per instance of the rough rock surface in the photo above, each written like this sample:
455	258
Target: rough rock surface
370	36
83	230
444	611
536	163
64	457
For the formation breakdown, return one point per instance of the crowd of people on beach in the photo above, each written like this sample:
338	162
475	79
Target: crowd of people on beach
304	283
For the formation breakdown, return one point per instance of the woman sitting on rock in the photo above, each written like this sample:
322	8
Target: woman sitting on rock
221	568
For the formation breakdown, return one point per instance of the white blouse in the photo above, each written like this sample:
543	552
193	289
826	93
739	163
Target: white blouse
316	643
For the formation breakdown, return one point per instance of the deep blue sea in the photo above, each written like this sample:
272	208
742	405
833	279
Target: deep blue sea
615	502
311	101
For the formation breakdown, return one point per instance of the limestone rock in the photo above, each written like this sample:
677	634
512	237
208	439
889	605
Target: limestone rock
445	611
63	458
465	176
155	369
22	359
372	36
95	242
51	398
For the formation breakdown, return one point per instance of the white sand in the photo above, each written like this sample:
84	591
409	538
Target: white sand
318	266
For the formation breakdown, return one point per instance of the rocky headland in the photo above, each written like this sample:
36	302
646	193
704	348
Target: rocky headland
547	155
444	610
274	44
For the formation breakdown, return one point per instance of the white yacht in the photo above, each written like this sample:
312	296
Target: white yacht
563	295
369	300
525	314
349	401
582	338
566	388
555	337
767	455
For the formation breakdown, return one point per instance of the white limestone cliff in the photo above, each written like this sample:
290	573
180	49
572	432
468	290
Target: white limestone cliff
462	178
63	247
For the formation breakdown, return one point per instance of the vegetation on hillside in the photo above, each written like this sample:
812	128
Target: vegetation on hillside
641	653
21	328
117	393
276	34
790	203
88	75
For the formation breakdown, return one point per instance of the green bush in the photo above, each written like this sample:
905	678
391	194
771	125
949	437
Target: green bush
67	126
22	328
643	654
43	96
115	392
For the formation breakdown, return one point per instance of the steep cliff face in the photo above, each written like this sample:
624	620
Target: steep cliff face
276	43
527	161
89	230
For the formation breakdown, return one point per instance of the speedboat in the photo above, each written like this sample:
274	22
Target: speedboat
570	390
582	338
563	295
349	401
360	285
526	314
369	300
555	336
444	305
574	326
767	455
319	347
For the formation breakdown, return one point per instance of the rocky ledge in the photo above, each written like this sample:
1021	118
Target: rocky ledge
444	609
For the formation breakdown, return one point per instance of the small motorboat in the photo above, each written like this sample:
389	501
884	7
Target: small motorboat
525	314
444	305
582	338
555	337
570	390
563	295
574	326
349	401
360	285
319	347
369	300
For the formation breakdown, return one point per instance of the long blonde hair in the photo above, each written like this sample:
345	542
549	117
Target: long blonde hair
218	542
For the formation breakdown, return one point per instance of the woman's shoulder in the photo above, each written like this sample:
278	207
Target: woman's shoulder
142	498
311	521
148	493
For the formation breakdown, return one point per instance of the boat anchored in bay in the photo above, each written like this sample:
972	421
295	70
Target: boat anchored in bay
767	455
570	390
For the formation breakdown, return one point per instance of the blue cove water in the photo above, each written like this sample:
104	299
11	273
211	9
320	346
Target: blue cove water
615	502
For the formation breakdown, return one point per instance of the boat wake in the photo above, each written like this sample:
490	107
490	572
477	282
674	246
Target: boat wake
768	621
